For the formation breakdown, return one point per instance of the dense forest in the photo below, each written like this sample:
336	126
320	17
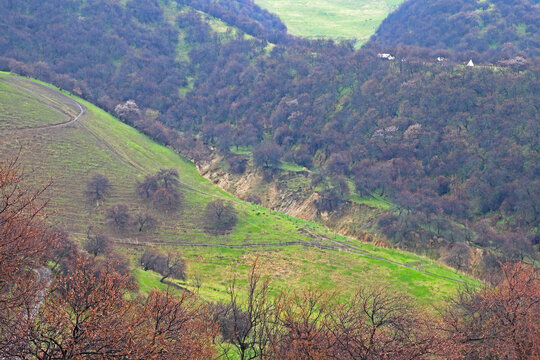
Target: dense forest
246	15
487	31
453	148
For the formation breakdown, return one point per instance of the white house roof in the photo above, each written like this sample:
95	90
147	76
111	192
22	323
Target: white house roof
386	56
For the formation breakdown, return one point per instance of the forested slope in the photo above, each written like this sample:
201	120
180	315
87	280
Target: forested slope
452	151
246	15
487	31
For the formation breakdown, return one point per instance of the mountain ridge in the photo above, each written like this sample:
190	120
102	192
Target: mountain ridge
485	31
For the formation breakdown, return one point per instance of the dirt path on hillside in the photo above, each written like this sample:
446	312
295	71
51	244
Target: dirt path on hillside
355	249
65	100
16	82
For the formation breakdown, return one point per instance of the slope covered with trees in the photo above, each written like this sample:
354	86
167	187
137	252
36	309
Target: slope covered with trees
451	151
486	31
246	15
430	138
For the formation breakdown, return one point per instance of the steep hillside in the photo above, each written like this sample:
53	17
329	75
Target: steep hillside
69	140
96	48
433	156
244	14
488	30
341	19
430	140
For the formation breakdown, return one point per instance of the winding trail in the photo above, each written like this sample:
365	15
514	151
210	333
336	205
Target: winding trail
82	109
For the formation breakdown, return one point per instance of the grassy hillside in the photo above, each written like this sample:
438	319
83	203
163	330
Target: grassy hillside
295	253
338	19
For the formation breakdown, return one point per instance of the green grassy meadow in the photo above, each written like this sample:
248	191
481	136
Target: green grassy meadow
211	271
337	19
296	254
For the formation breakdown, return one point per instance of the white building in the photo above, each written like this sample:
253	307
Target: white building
386	56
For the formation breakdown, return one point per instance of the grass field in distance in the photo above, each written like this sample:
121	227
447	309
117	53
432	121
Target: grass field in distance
337	19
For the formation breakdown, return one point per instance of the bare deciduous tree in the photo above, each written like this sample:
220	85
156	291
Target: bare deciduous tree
161	188
26	244
118	216
247	326
499	322
148	187
149	260
145	221
89	315
174	267
97	244
97	188
267	156
459	256
167	199
220	217
168	178
166	265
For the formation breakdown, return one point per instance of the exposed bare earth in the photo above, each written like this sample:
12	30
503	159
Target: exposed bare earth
352	220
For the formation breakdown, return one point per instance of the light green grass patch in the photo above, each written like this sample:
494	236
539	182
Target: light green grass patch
242	150
373	201
337	19
292	167
299	268
521	29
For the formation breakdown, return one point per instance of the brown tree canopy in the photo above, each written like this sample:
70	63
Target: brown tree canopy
167	198
145	221
98	188
118	216
97	244
145	189
312	324
168	265
88	316
161	188
500	322
220	217
459	256
26	244
267	156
